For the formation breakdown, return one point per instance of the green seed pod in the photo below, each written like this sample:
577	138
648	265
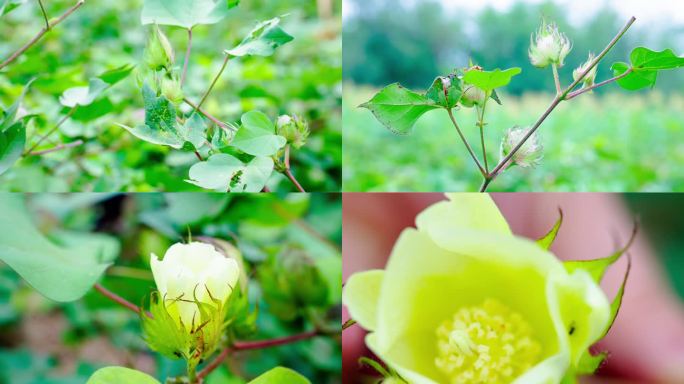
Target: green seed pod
294	129
159	52
171	89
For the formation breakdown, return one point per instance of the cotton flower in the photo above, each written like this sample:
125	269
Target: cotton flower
463	300
194	271
590	78
549	46
294	129
529	155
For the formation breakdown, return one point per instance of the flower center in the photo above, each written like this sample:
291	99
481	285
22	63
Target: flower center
488	343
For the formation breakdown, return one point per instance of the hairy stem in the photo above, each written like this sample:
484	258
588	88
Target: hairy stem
470	150
187	58
45	16
288	173
213	83
557	100
574	94
556	78
56	148
40	34
53	130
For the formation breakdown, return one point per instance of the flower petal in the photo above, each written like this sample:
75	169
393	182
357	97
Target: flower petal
360	295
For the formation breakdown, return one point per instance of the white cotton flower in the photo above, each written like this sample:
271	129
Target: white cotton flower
549	46
529	155
193	271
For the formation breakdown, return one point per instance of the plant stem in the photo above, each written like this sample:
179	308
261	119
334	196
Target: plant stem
470	150
116	298
208	115
56	148
251	345
187	58
40	34
288	173
199	157
557	100
45	16
481	124
349	323
213	83
574	94
556	78
53	130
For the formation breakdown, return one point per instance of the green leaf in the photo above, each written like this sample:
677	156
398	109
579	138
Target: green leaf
398	108
60	273
257	135
645	64
546	241
597	268
161	331
449	97
262	40
225	173
233	3
194	131
588	363
160	121
83	95
7	6
115	75
118	375
10	114
183	13
12	142
490	80
280	375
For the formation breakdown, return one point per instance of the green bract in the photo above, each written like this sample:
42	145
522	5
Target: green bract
463	300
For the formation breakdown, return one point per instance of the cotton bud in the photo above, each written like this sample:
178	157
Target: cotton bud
591	76
171	89
473	96
549	46
158	53
294	129
529	155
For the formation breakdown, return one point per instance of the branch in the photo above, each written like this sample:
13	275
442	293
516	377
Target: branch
187	58
557	100
56	148
288	173
213	83
116	298
470	150
251	345
574	94
55	128
208	115
40	34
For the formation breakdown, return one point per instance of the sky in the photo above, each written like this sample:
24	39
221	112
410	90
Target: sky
646	11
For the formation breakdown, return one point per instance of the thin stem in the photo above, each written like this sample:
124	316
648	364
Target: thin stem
213	83
187	58
251	345
556	78
56	148
557	100
40	34
53	130
481	124
199	157
116	298
485	183
470	150
574	94
208	115
288	173
347	324
45	16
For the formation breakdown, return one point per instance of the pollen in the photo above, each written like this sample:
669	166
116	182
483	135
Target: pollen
488	343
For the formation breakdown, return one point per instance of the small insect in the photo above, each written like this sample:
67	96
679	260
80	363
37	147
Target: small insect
572	329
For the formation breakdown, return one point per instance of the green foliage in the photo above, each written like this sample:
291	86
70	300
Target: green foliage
83	95
183	13
445	91
223	172
6	6
280	375
398	108
12	133
117	375
490	80
262	40
257	135
644	67
160	125
44	264
161	332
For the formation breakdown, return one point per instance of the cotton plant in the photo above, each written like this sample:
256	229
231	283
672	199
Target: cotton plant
231	157
474	89
463	300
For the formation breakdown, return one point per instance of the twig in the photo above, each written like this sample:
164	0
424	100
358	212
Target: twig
213	83
116	298
187	58
470	150
40	34
208	115
557	100
288	172
574	94
45	16
556	78
481	124
53	130
199	157
56	148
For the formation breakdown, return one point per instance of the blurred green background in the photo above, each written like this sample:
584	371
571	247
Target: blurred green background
303	78
611	140
43	342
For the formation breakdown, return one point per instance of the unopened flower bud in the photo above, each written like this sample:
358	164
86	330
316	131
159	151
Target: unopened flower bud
473	96
158	53
591	76
294	129
549	46
529	155
171	89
